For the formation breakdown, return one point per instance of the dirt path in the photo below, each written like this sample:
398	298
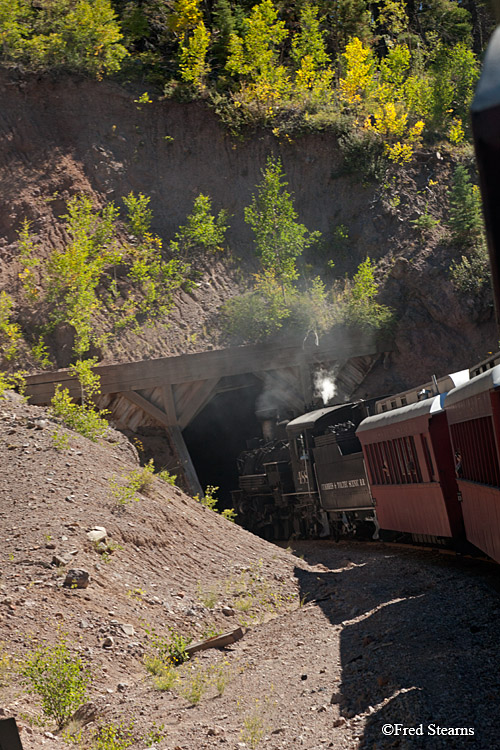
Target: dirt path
393	638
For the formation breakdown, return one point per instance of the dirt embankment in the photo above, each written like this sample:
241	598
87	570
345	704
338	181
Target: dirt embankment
63	136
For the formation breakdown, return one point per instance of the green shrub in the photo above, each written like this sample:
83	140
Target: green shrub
83	36
167	477
209	500
169	649
357	303
425	222
230	514
472	274
466	217
138	481
58	678
12	381
113	737
10	333
81	418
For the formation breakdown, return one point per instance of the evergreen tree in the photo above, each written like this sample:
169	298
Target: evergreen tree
466	218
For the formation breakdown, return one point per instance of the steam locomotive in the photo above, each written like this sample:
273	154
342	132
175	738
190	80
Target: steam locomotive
423	465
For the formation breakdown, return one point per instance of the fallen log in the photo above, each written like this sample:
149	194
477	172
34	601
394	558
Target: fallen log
218	641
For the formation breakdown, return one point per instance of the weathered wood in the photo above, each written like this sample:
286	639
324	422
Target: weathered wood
218	641
169	404
147	406
134	376
198	400
185	461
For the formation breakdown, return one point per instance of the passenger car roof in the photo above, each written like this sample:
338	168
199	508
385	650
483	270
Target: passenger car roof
430	406
481	383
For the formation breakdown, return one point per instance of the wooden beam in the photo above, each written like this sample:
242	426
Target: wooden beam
169	404
182	452
134	376
147	406
199	398
185	461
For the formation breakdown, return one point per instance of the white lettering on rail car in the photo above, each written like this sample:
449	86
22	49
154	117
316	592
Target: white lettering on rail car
345	484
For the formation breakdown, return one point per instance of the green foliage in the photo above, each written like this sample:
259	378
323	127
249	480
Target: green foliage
81	418
40	354
279	239
73	274
90	382
139	215
166	678
471	275
359	307
194	686
454	73
313	75
425	222
256	315
209	499
136	481
202	231
193	64
113	737
285	64
171	649
466	218
167	477
59	679
13	381
94	285
10	333
83	36
254	58
60	440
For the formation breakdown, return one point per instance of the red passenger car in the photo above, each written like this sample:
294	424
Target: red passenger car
474	417
411	470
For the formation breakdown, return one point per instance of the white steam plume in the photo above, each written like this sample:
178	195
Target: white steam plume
324	385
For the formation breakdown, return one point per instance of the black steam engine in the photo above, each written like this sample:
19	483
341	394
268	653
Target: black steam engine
308	479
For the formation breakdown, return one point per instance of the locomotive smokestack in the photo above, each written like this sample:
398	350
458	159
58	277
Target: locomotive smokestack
267	419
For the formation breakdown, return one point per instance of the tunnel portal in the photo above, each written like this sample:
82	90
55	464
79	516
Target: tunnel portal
219	433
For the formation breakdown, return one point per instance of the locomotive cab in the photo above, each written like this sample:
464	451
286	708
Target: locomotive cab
327	464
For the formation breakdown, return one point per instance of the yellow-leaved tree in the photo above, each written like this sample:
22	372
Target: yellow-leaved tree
254	58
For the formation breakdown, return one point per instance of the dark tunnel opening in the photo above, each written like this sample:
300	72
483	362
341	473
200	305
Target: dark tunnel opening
217	436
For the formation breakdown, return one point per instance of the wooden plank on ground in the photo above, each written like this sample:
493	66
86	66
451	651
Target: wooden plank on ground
218	641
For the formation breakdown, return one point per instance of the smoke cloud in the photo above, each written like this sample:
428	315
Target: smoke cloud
324	385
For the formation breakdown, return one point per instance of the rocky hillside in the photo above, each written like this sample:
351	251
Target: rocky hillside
64	136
